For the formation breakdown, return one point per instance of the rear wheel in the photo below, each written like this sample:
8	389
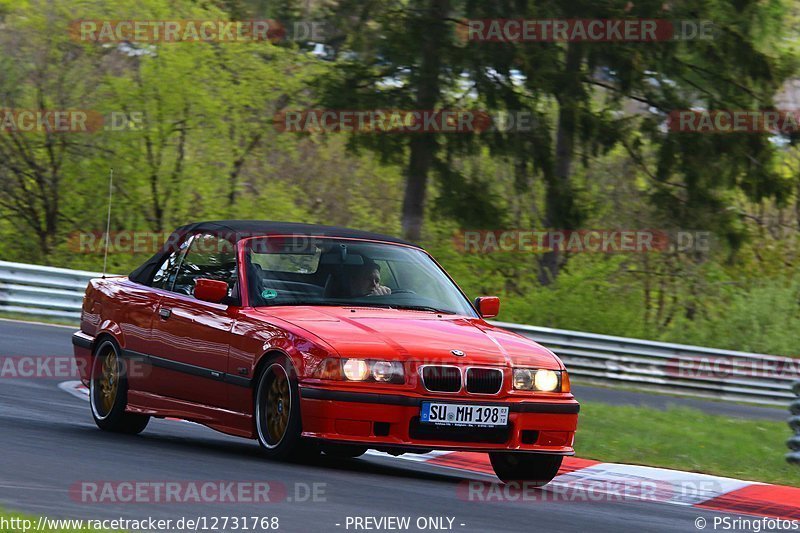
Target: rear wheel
538	469
108	392
277	412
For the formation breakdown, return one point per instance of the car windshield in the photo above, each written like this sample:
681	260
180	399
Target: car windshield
341	272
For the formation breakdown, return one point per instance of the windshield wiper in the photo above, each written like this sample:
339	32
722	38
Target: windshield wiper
362	303
423	308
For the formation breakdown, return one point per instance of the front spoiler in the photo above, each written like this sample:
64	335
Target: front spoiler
309	393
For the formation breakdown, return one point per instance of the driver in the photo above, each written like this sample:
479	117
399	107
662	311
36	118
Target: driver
366	281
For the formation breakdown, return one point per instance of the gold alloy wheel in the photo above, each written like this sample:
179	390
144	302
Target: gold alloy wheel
278	407
109	381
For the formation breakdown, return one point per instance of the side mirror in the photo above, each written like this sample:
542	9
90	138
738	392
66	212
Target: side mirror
488	306
210	290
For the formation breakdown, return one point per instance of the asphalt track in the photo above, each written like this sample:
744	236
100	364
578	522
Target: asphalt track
48	443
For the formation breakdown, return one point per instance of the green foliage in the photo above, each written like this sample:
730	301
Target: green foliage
760	318
588	296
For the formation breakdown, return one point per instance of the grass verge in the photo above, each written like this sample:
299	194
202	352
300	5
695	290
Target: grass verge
686	439
22	317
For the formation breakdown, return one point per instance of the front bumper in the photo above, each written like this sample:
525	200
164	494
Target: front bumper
388	421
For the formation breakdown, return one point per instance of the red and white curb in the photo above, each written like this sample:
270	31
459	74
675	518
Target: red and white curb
75	388
588	480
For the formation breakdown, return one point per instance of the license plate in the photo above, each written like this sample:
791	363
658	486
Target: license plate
449	414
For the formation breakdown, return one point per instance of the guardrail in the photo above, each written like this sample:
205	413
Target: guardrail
42	291
659	366
794	423
671	368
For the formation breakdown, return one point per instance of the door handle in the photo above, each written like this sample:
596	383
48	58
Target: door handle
165	313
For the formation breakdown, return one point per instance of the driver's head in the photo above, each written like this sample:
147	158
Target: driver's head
366	278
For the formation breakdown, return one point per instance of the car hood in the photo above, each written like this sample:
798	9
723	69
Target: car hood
414	335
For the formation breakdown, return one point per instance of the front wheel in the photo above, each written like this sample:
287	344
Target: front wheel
538	469
277	411
108	392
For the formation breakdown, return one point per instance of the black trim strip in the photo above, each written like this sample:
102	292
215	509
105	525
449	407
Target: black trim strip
82	340
394	399
187	368
358	397
555	408
237	380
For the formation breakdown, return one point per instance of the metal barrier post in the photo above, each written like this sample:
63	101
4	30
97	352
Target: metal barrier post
794	423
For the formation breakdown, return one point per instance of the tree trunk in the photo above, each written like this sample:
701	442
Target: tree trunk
419	164
423	146
561	211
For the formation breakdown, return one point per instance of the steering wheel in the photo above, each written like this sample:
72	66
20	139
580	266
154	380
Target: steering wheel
403	291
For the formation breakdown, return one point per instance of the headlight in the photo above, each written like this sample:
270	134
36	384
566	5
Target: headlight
546	380
356	369
382	371
523	379
537	380
365	370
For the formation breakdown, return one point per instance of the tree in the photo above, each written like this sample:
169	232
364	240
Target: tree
592	85
42	71
193	116
397	55
403	54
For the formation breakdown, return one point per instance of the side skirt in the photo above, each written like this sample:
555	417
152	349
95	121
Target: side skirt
222	420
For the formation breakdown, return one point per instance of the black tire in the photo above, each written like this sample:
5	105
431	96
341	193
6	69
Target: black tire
279	439
343	451
108	392
538	469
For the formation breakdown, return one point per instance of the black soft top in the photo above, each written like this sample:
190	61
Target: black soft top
235	230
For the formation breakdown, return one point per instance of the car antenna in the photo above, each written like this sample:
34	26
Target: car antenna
108	220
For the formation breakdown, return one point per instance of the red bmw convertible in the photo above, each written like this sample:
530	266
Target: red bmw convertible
320	339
